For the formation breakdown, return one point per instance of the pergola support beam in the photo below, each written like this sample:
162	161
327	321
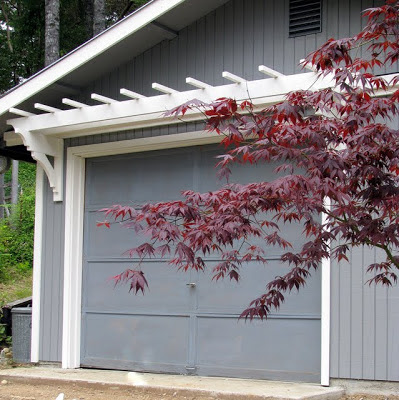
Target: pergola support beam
131	94
74	103
308	66
270	72
20	113
103	99
233	78
198	84
163	89
45	108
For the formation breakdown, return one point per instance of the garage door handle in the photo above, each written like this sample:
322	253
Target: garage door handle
191	285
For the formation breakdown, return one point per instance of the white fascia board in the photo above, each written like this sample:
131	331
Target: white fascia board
149	111
88	51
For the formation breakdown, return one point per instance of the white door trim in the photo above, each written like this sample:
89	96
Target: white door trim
74	214
74	217
325	313
37	265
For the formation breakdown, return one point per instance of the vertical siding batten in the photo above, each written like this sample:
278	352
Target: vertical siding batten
248	41
258	56
279	37
228	38
219	46
209	48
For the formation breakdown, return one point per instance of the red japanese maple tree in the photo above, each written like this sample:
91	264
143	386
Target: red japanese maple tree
336	156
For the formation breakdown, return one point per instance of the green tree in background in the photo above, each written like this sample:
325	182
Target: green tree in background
22	32
16	232
22	49
21	40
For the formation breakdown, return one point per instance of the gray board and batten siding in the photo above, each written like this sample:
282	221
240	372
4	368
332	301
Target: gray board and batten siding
237	37
364	321
364	318
52	277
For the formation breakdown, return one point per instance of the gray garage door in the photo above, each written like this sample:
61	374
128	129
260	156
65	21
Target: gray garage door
176	327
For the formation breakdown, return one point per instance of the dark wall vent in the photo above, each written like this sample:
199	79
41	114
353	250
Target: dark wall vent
305	17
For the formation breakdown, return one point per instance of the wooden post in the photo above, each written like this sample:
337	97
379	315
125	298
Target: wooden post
1	196
14	182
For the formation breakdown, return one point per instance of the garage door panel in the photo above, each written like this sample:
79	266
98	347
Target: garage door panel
167	290
240	173
140	177
175	325
228	296
108	242
112	242
145	341
247	173
277	346
124	239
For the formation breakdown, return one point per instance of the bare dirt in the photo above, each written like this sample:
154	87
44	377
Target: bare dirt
19	389
15	389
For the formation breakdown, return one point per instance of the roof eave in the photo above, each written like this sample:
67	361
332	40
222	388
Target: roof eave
94	47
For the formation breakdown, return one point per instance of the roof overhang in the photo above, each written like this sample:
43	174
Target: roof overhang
156	21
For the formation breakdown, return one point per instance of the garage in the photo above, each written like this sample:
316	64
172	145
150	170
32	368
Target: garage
185	323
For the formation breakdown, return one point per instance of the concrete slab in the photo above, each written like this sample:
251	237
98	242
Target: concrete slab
376	388
227	388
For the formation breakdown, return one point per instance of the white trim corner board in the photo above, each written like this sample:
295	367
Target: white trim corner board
74	217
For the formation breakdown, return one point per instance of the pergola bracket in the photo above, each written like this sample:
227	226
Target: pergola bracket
42	147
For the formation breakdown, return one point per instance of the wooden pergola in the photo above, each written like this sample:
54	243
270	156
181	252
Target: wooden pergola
43	133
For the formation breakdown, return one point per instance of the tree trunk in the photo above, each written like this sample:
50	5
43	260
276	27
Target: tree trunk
99	16
88	6
52	31
14	182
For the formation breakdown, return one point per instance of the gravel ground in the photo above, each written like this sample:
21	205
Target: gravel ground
18	389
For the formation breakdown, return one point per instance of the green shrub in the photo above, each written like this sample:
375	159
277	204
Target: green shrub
4	339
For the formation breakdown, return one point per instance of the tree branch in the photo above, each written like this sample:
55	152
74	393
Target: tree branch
125	11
